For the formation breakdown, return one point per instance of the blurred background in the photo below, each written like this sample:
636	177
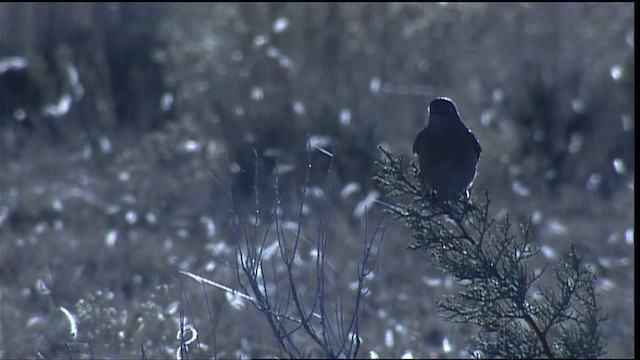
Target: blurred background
120	124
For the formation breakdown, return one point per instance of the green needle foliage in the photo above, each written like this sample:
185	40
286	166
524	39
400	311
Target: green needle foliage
499	283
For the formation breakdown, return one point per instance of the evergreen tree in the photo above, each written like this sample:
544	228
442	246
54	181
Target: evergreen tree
499	284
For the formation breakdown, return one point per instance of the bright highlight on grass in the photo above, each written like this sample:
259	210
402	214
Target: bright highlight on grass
73	323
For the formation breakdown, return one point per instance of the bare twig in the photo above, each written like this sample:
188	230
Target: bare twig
278	292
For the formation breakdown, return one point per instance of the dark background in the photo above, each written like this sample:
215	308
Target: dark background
117	122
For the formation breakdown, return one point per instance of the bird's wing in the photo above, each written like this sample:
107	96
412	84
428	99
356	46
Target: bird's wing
476	144
416	143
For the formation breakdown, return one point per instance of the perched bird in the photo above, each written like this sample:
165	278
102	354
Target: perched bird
448	152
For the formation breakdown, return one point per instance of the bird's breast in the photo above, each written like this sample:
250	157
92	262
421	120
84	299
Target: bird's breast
447	156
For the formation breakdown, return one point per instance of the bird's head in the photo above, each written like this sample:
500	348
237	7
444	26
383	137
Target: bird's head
442	106
443	113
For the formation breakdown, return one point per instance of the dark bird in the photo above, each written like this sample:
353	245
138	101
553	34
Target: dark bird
448	152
